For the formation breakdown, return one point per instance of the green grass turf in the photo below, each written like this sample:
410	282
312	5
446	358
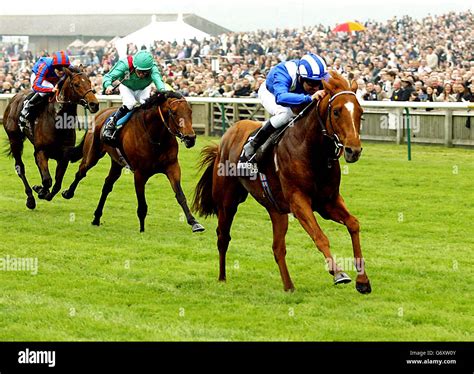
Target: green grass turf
113	283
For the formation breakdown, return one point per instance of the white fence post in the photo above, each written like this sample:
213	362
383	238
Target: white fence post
448	128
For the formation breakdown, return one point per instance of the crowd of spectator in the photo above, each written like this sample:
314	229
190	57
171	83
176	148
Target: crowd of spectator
429	59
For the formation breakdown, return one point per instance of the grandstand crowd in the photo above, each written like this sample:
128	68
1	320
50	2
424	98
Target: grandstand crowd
402	59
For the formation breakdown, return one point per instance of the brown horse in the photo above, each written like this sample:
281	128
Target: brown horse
147	145
303	177
53	132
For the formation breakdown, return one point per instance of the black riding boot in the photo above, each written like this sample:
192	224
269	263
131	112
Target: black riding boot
246	163
109	134
30	108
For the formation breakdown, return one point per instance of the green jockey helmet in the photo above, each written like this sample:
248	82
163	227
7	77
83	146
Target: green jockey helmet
143	60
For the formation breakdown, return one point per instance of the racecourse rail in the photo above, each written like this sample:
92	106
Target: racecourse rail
424	122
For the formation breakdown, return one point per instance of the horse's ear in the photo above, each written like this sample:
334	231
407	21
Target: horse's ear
354	86
81	68
329	85
67	71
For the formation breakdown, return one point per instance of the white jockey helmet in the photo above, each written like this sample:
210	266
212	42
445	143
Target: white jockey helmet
313	67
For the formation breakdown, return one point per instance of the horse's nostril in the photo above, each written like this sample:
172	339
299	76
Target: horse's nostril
349	150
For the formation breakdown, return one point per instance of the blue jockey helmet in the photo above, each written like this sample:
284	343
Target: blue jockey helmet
313	67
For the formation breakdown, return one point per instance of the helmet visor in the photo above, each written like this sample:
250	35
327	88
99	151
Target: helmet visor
313	83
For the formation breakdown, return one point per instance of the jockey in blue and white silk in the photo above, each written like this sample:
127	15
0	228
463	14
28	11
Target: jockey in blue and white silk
288	84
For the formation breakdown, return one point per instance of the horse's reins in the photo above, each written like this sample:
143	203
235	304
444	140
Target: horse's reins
333	137
178	134
59	96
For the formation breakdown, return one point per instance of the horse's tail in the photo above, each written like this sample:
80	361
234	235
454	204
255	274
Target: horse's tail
14	142
8	147
76	153
203	204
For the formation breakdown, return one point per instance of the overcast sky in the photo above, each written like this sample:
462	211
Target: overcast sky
246	15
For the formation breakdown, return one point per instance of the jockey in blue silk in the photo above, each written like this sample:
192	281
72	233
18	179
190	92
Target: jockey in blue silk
288	84
46	74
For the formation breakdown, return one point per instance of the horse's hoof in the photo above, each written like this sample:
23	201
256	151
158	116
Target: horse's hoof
30	202
197	227
341	278
363	288
41	191
96	222
48	197
67	195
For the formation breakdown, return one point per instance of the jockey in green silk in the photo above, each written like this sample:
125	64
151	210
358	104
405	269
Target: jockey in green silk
135	75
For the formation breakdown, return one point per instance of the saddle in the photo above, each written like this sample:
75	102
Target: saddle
122	121
331	149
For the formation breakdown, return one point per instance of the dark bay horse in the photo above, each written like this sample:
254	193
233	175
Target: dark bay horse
53	132
303	177
147	145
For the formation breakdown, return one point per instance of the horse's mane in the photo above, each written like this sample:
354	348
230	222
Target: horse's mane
74	69
159	98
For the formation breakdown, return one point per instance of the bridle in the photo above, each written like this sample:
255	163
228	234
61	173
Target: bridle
171	117
60	97
332	139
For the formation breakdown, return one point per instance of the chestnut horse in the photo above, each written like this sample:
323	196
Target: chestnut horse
53	132
303	177
147	145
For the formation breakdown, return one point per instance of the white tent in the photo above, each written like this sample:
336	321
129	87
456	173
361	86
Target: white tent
102	43
167	31
76	44
91	43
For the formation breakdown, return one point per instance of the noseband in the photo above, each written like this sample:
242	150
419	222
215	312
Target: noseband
171	117
332	139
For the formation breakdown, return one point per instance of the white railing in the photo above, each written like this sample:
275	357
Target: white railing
424	122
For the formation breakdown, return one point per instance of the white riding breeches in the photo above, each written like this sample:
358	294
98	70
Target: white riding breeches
131	97
281	115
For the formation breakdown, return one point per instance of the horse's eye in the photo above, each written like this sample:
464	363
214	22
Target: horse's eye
336	112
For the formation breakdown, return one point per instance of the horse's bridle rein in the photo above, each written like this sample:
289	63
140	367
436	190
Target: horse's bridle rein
338	146
82	100
178	134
